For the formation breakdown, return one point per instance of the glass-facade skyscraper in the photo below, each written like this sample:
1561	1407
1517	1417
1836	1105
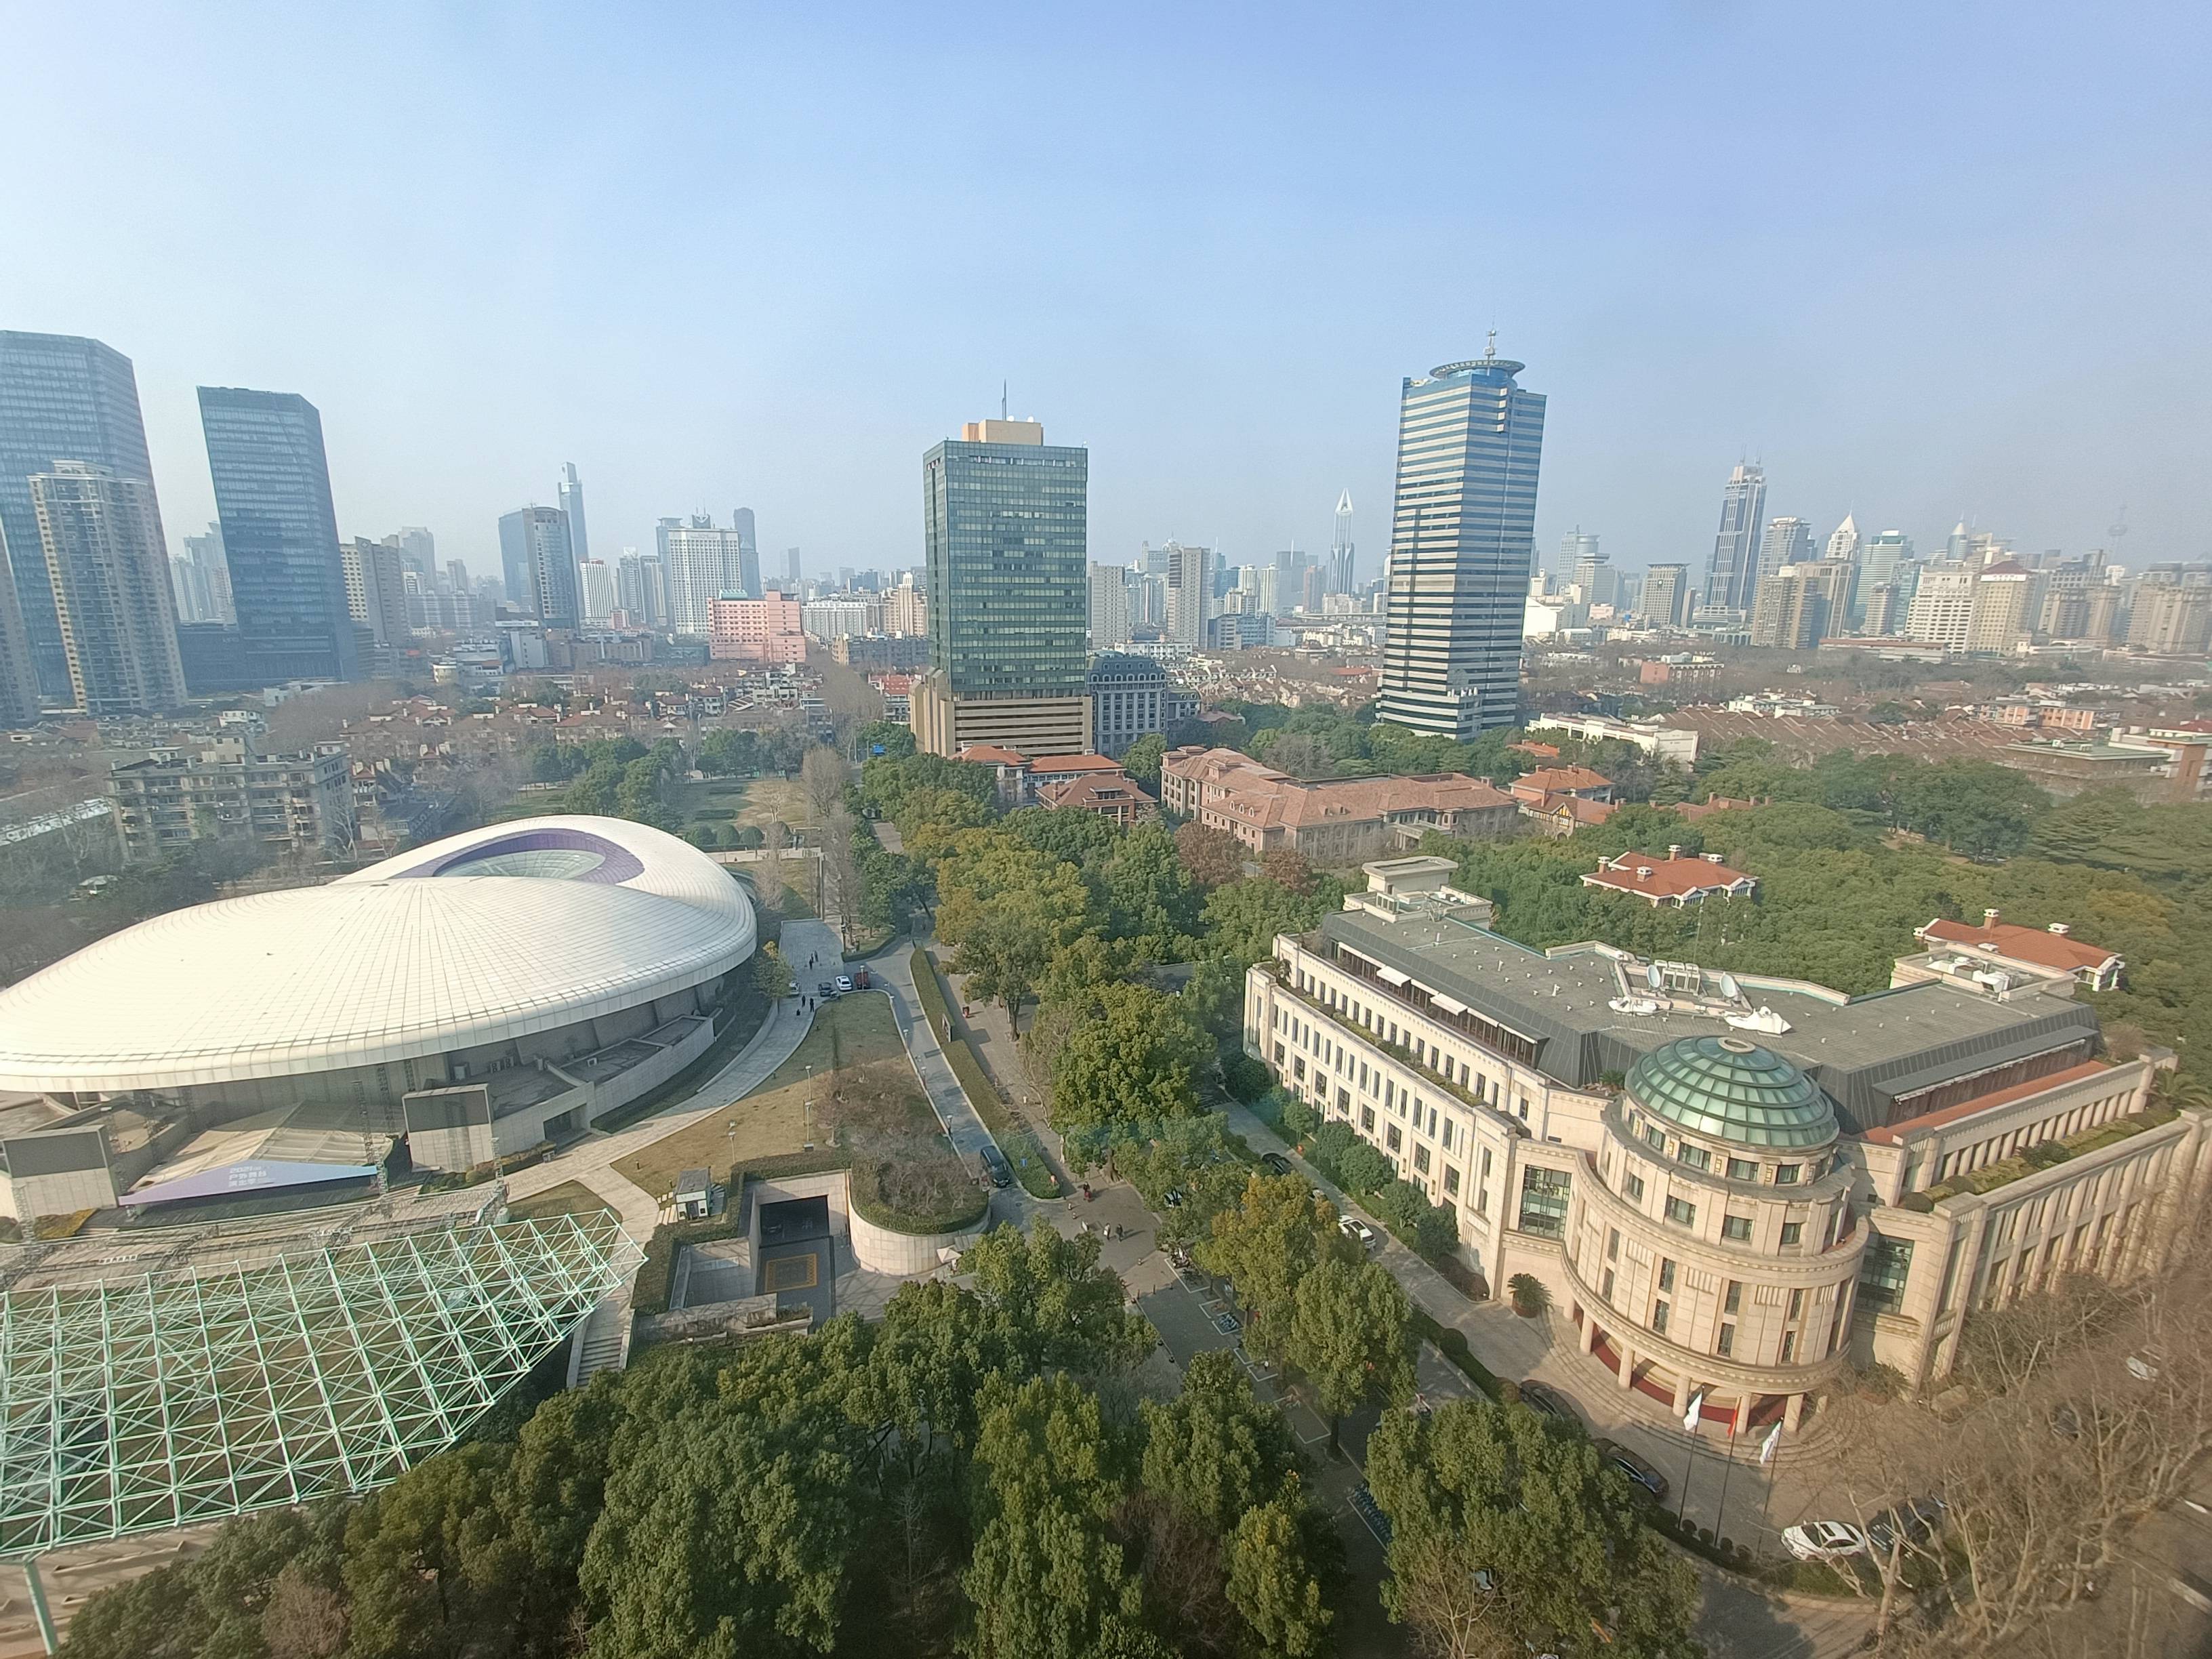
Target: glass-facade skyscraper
1462	542
1732	574
1005	529
62	398
539	563
280	536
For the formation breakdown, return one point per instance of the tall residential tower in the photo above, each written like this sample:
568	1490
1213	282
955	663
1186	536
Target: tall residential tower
1005	524
108	569
1462	540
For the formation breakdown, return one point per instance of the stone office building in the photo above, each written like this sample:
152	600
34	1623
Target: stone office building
1733	1187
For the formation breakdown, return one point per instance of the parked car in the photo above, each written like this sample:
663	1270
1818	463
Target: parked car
844	983
1550	1402
996	1169
1916	1520
860	979
1640	1474
1274	1164
1353	1227
1824	1541
825	990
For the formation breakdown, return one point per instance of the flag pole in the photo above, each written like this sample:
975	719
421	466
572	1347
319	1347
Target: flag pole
1728	1467
1690	1420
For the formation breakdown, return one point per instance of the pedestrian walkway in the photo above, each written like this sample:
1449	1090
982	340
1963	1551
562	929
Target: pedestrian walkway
893	972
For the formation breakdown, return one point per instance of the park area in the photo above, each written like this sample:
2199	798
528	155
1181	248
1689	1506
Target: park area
849	1093
742	804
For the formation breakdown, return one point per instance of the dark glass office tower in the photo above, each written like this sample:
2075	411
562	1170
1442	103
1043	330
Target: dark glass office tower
539	563
280	536
1732	574
1006	532
62	398
1462	541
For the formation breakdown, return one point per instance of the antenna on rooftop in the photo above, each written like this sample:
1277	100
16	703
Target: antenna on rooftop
1002	401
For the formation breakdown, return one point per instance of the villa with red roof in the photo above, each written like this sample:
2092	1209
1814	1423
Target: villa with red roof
2039	950
1680	879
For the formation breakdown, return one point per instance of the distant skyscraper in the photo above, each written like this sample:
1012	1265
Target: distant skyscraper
62	398
749	570
539	567
1342	563
1788	541
793	571
599	591
1109	607
1843	540
640	589
201	580
107	568
1593	573
1462	544
701	563
418	548
571	503
1732	576
1573	547
1190	592
1005	528
280	535
376	589
1796	606
1666	594
1880	560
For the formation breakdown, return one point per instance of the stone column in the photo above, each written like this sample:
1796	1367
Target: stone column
1588	1335
1681	1393
1791	1413
1627	1365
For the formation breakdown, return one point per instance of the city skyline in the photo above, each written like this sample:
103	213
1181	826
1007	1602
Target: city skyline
454	387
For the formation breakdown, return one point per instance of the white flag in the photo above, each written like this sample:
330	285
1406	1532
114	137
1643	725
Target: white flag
1690	1417
1773	1438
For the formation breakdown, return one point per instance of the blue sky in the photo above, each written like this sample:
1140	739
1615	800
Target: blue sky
1923	261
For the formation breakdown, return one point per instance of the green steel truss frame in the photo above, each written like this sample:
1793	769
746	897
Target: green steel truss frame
155	1402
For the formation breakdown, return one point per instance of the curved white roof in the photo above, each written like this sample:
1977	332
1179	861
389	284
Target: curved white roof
497	933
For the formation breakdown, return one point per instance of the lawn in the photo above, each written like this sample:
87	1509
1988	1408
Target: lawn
746	803
569	1197
850	1068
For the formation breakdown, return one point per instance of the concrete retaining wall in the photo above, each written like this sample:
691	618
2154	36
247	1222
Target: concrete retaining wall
881	1250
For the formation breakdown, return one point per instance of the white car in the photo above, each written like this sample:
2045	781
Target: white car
1824	1541
1353	1227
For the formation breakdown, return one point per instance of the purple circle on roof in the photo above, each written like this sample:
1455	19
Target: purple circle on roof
553	854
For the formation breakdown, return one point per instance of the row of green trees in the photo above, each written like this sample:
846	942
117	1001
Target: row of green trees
973	1475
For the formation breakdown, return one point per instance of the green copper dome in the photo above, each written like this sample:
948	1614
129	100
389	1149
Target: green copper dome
1732	1089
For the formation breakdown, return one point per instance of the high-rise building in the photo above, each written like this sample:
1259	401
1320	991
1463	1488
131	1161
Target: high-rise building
1943	608
62	398
640	590
1732	576
1110	606
793	572
701	563
1462	542
1593	574
1843	540
539	566
418	548
376	589
596	588
1342	562
1665	595
1797	606
571	503
1573	546
2000	617
1190	592
280	536
906	610
1788	541
201	580
1881	558
749	570
108	568
2172	611
1006	530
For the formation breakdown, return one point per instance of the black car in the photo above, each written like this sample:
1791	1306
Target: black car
1550	1402
1916	1521
1640	1474
996	1169
825	990
1274	1164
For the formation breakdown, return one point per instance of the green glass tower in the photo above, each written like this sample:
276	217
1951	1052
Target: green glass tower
1005	520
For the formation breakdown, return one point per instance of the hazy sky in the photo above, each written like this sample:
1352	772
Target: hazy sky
1924	260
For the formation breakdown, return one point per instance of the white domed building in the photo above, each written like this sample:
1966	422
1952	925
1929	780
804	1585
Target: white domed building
476	997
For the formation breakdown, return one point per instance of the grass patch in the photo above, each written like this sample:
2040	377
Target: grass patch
569	1197
1016	1141
847	1098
